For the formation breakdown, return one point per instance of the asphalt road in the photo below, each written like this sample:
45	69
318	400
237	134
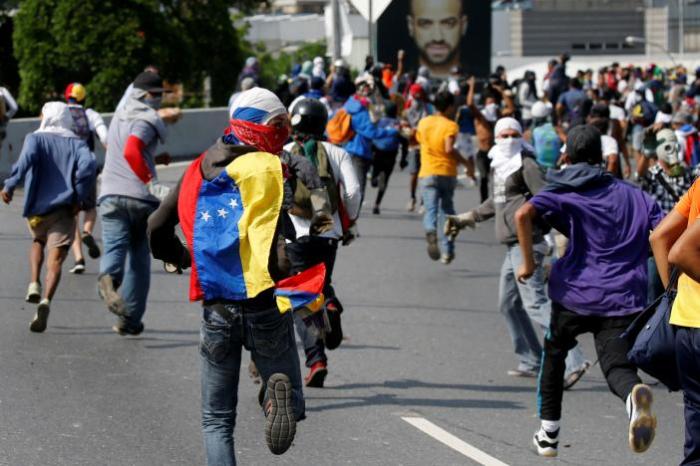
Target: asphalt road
423	340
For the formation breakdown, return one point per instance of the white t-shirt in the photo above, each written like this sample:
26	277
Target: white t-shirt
344	173
617	113
610	146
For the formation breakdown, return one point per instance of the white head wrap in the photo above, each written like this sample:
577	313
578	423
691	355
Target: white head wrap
507	123
256	105
56	119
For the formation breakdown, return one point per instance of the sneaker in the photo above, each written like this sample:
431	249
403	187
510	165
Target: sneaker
124	330
525	373
93	249
280	423
433	248
115	303
411	206
573	378
546	442
447	258
33	293
334	337
41	317
317	375
375	210
79	267
642	421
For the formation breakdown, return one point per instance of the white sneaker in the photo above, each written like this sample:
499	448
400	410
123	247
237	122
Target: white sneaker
642	421
41	317
546	443
33	293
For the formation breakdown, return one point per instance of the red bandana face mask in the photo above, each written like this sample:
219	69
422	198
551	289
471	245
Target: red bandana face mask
266	138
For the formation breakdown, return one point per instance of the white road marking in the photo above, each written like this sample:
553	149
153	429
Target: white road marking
457	444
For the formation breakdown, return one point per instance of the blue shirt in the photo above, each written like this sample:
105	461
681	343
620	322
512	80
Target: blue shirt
573	100
57	172
389	143
465	120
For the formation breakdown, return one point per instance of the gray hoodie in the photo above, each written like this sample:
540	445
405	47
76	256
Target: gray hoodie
519	187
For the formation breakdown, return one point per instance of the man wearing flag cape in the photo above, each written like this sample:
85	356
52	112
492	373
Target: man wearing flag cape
232	205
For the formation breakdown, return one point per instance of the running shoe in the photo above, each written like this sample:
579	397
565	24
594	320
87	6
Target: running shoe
280	423
642	421
33	293
317	375
447	258
93	249
115	303
546	443
525	373
411	206
79	267
123	330
433	248
573	378
41	317
375	210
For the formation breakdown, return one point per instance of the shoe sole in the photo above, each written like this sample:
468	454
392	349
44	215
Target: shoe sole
523	375
41	318
281	424
575	377
317	380
77	271
122	332
546	452
643	429
33	298
115	303
433	249
335	337
93	249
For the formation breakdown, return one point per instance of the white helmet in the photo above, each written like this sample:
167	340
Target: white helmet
540	110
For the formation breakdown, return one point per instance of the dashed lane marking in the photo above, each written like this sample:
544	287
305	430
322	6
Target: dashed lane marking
457	444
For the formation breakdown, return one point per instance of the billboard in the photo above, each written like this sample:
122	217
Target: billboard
439	34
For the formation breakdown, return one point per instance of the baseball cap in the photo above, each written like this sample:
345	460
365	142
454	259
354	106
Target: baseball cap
75	91
667	146
149	82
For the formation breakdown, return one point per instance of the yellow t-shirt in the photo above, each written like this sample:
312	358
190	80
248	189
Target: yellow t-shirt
686	307
431	134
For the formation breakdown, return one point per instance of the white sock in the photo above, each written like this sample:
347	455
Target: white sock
628	406
550	426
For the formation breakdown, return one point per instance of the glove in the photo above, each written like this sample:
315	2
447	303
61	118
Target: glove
322	218
455	223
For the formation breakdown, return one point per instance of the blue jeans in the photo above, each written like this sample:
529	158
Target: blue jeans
127	257
522	304
269	336
438	193
688	361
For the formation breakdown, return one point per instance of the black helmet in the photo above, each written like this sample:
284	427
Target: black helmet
309	116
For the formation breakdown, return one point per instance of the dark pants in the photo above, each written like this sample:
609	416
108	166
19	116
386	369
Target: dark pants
382	168
688	360
564	327
303	254
362	167
270	338
483	165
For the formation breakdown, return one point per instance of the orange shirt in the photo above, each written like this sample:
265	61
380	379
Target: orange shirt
431	134
686	307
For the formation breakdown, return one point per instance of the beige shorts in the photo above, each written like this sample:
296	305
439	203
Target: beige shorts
53	230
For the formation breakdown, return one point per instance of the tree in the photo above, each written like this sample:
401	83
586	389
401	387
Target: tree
105	43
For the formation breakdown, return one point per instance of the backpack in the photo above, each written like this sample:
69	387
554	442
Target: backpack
646	111
339	128
302	195
547	145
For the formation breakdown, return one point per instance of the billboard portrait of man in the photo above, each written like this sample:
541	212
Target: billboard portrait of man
438	34
437	28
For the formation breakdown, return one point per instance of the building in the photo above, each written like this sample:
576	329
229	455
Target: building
298	6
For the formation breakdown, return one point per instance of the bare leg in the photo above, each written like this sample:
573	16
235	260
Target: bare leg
36	260
470	169
414	185
77	245
53	270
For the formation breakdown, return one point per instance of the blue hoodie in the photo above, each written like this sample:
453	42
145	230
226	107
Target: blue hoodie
365	130
57	172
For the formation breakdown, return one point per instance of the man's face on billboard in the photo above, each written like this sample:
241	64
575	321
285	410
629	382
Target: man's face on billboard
437	26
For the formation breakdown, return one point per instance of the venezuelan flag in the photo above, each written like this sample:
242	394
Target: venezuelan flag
304	289
230	224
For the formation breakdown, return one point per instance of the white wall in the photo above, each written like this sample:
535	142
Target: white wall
192	135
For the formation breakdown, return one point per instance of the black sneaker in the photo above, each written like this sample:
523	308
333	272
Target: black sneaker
433	248
642	421
79	267
375	210
546	442
115	303
280	424
93	249
124	330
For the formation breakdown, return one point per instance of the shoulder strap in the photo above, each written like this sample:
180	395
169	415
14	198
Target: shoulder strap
669	189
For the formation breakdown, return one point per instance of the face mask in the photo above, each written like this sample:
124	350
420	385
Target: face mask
509	146
491	112
153	102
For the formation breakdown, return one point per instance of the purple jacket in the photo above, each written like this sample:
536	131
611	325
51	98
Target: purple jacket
607	221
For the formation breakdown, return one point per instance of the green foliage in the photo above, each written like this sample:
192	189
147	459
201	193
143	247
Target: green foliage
105	43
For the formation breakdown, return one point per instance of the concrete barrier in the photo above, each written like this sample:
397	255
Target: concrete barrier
192	135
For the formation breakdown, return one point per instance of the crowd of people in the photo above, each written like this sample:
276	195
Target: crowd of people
579	172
